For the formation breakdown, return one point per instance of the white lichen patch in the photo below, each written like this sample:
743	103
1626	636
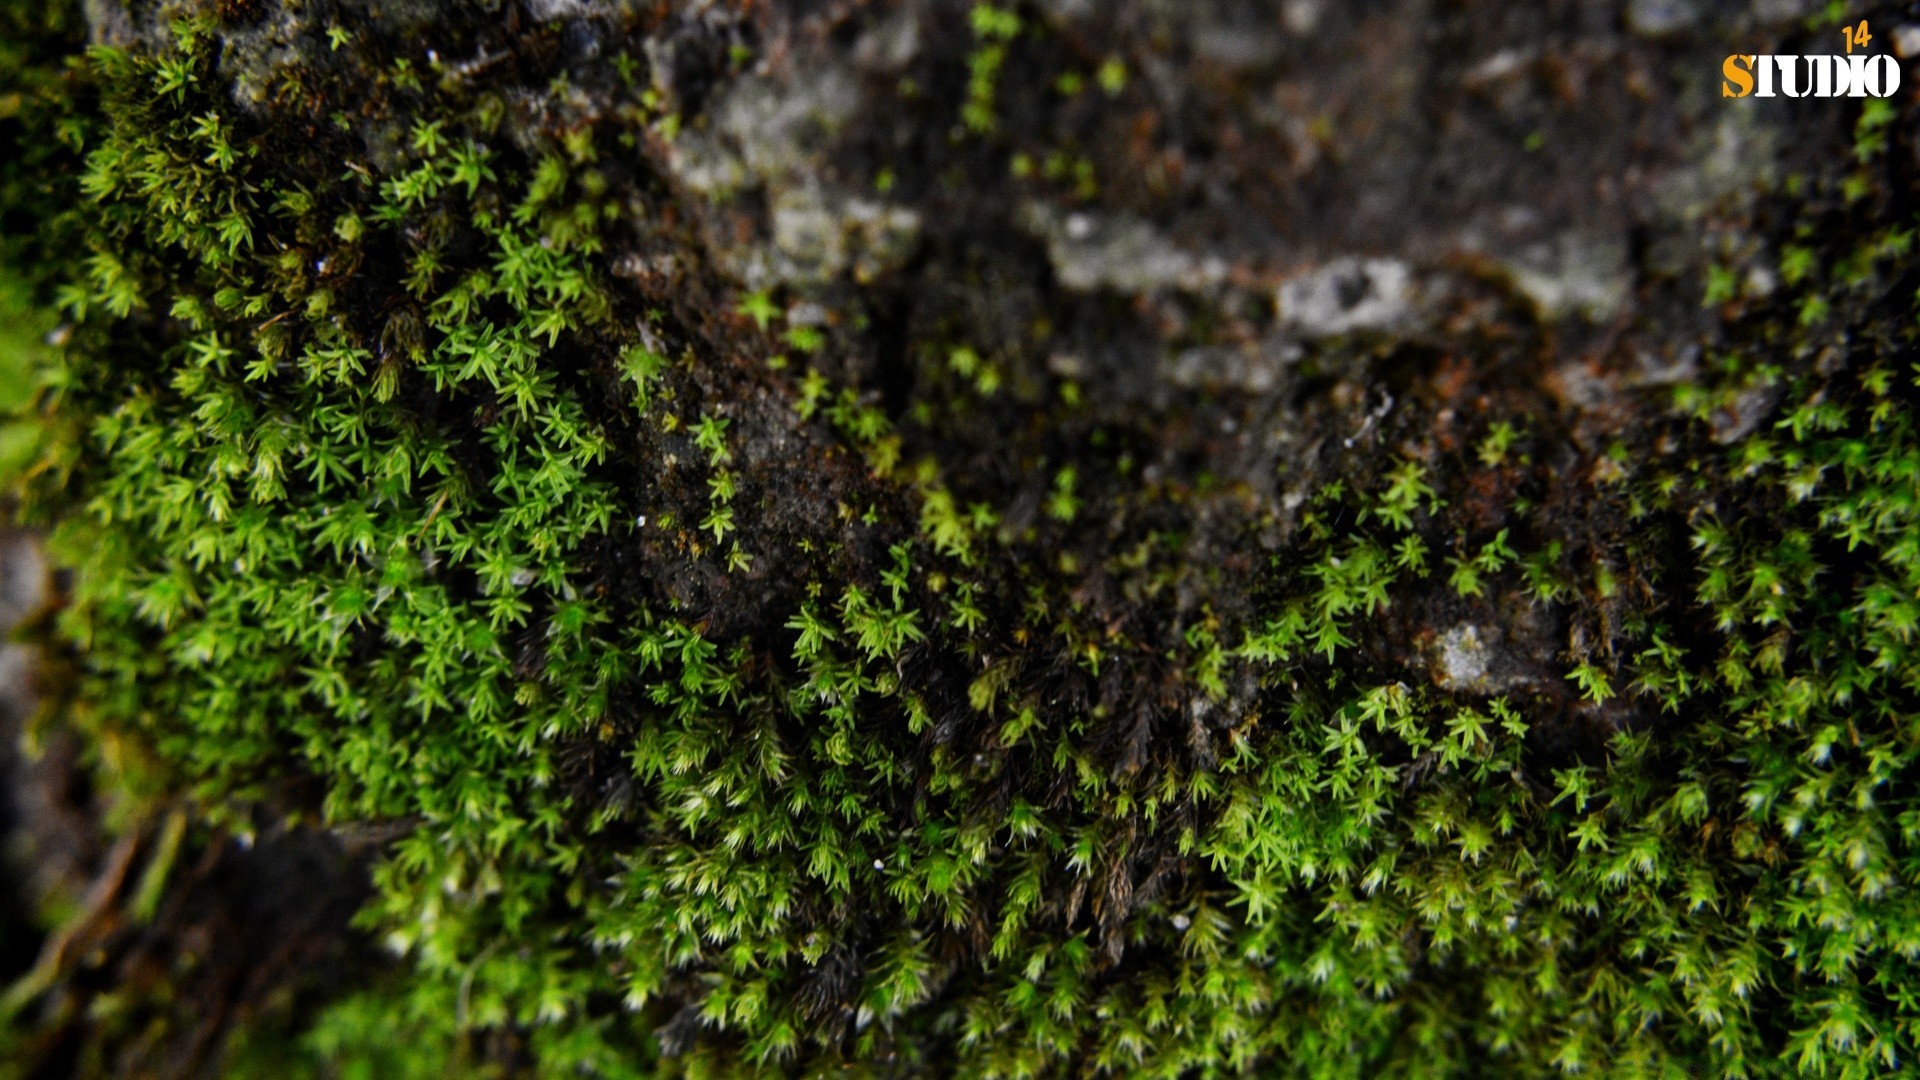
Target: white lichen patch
1463	658
1479	658
1125	254
1347	295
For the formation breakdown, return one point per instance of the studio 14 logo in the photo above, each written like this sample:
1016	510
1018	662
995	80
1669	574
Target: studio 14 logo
1827	76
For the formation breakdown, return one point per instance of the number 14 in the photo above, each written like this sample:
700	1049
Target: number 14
1856	35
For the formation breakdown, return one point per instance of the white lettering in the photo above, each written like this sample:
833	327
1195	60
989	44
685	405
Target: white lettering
1856	79
1824	76
1790	83
1824	69
1881	76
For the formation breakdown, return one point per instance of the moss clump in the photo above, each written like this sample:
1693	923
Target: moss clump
719	728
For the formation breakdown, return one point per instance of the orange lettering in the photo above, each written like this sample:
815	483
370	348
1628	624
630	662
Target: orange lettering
1738	72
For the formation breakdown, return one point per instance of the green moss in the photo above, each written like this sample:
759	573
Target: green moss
373	484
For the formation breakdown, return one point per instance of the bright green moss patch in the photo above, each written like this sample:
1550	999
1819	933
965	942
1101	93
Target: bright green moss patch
720	731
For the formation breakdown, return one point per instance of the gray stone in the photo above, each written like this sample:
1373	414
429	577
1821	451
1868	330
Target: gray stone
706	164
1657	18
1481	658
556	9
775	124
1068	10
892	45
1743	416
1727	162
1126	254
1500	66
1254	370
765	131
23	580
1238	48
1302	17
1573	274
1906	40
1463	658
1347	295
1682	364
1770	12
108	22
820	234
25	590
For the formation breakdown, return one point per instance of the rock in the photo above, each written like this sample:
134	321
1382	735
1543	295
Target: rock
1067	10
1681	365
108	22
1658	18
1347	295
1254	369
1475	659
1462	659
1573	274
1067	365
704	163
892	45
1906	40
819	234
555	9
1739	419
765	131
772	133
1235	47
1771	12
1727	161
23	580
1092	251
1302	17
1501	65
808	313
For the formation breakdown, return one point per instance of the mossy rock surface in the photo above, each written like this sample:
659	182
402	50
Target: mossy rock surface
1050	539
